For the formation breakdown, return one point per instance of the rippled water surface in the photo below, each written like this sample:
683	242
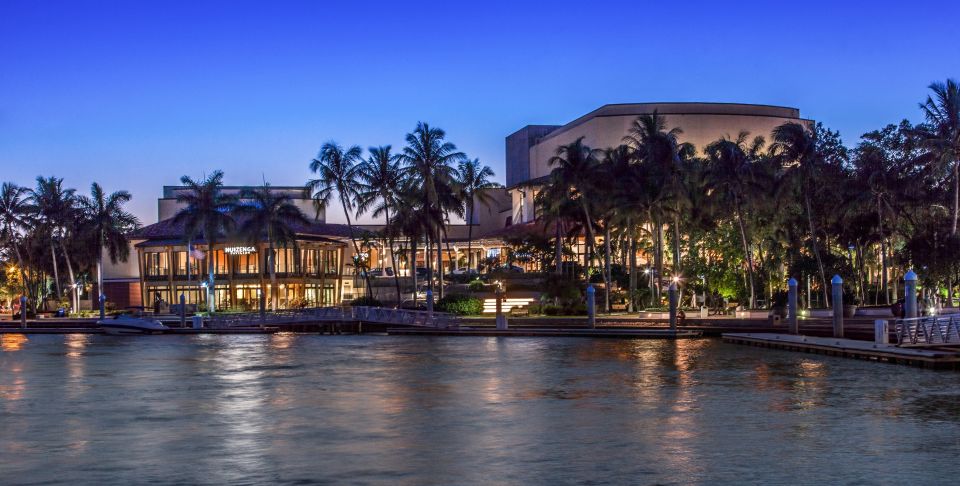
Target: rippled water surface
397	410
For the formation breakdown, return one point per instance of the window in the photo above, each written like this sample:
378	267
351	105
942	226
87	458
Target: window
309	261
220	266
247	264
156	264
180	265
285	263
331	261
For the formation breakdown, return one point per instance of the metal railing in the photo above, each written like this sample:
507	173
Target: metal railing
929	330
381	315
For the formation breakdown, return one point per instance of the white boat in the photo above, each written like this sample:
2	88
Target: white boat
127	324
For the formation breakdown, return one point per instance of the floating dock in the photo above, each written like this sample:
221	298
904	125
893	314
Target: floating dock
926	357
538	332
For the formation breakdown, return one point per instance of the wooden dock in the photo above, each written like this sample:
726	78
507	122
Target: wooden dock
932	357
175	330
540	332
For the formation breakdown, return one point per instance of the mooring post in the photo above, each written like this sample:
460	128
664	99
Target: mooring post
837	306
910	294
674	302
591	307
792	322
501	319
183	311
23	311
881	331
103	302
430	306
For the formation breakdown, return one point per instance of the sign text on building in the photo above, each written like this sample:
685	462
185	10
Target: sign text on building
240	250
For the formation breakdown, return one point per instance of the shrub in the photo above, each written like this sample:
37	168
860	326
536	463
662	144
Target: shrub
459	304
476	286
366	301
552	310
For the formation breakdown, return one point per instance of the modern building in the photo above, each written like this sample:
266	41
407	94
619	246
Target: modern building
529	149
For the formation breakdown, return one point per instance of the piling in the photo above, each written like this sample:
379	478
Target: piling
837	306
792	321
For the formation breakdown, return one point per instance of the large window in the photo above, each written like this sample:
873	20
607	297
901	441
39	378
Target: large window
331	262
247	264
309	261
156	264
285	261
220	265
180	266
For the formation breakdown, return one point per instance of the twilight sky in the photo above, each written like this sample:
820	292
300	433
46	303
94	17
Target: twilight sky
136	94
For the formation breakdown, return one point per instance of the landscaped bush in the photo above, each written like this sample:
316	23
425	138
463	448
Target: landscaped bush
552	310
476	286
459	304
366	301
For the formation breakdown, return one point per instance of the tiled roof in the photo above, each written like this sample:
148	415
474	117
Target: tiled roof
170	230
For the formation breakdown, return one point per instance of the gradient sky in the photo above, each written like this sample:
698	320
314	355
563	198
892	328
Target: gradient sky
135	94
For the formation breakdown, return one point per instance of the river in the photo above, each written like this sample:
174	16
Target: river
303	409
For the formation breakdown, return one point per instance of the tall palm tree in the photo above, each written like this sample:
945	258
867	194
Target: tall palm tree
15	217
730	173
270	215
55	207
942	133
575	170
429	160
474	186
800	149
208	213
408	222
381	178
338	172
108	224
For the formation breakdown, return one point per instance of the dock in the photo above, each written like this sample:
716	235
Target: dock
556	332
939	357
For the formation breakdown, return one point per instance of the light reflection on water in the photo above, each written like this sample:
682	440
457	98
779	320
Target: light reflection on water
395	410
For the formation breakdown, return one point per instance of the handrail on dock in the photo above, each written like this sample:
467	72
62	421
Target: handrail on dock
928	330
383	315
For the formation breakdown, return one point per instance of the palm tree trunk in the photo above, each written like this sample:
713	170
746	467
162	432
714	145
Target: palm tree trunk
592	241
439	262
23	271
606	267
746	252
816	249
676	244
632	258
74	289
559	248
211	295
393	258
56	272
356	248
470	240
956	195
272	265
413	267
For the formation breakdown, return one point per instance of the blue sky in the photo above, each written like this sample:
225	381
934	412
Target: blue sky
136	94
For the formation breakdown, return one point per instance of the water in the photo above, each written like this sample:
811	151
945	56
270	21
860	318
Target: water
412	410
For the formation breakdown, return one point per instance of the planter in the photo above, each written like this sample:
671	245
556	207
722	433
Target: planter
849	310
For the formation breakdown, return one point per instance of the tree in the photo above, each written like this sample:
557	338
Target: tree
381	178
269	215
208	212
429	160
338	172
55	208
942	134
15	217
474	185
805	153
730	167
108	224
574	172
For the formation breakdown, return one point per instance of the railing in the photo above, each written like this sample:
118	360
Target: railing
929	330
335	314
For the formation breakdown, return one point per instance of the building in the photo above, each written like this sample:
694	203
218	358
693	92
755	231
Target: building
529	149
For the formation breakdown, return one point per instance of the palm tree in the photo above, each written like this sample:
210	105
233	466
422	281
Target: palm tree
474	186
730	167
429	160
208	213
14	217
381	178
805	152
108	223
271	215
55	208
408	221
338	172
942	133
575	171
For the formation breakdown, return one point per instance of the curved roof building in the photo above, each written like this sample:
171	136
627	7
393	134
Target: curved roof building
530	148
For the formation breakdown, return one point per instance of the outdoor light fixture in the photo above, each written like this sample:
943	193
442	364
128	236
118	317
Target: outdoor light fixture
676	279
